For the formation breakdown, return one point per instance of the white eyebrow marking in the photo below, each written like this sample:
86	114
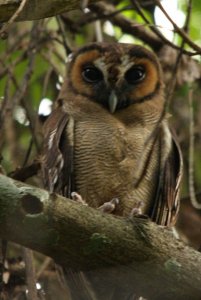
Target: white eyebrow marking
101	65
126	64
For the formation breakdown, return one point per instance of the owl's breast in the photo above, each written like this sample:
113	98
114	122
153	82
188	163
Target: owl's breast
105	160
98	152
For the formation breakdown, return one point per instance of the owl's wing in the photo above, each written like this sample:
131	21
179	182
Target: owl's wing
166	206
57	171
57	157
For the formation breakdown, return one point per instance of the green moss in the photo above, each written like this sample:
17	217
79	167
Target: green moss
172	265
97	243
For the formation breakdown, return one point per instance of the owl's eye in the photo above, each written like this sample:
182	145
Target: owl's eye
135	74
92	74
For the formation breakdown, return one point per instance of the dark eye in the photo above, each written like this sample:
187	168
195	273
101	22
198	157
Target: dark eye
92	74
135	74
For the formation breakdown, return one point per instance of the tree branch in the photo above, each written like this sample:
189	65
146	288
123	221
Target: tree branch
144	255
108	11
38	9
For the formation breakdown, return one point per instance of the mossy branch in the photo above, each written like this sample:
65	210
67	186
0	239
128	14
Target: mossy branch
145	255
37	9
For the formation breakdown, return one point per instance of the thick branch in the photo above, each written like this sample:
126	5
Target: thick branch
37	9
144	255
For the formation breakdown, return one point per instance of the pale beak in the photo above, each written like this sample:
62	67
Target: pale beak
113	101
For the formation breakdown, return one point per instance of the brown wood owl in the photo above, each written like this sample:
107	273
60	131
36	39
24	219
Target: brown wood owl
108	138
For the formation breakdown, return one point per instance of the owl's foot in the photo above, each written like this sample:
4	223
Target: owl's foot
109	207
137	211
78	198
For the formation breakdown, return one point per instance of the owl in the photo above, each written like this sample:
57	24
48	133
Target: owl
108	136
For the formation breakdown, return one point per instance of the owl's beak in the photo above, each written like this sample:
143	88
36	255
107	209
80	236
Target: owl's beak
112	102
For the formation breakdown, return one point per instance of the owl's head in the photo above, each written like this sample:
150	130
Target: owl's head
115	75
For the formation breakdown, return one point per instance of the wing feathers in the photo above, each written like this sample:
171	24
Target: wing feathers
166	206
57	158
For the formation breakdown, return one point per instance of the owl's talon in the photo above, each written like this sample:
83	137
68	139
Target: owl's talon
109	207
78	198
137	211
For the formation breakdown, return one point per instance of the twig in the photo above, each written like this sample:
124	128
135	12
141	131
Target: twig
24	173
158	33
187	21
46	81
7	68
63	35
6	26
98	31
3	248
108	12
181	32
43	267
30	274
90	17
10	130
192	193
19	96
28	152
172	84
48	57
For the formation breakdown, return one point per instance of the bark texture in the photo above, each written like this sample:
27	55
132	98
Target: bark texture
133	253
37	9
